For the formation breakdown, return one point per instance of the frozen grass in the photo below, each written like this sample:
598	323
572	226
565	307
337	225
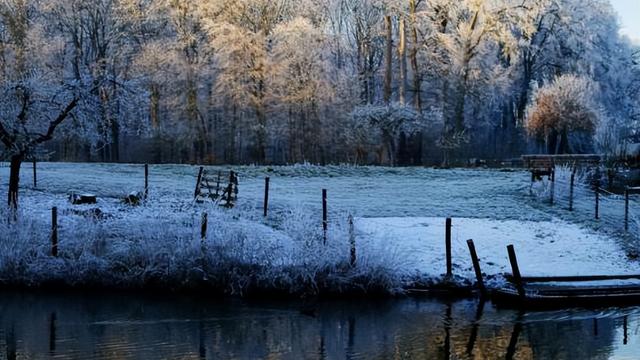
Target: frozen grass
157	246
579	207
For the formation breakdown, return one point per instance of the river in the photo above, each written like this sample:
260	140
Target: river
135	326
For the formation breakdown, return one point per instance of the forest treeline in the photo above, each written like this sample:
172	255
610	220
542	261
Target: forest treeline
396	82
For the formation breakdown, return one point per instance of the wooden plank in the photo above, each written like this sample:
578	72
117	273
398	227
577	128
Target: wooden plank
540	279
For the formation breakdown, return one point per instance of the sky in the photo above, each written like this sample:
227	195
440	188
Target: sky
629	11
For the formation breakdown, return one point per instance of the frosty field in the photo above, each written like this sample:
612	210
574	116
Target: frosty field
399	230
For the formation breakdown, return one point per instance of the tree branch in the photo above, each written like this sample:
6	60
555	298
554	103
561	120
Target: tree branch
54	124
5	137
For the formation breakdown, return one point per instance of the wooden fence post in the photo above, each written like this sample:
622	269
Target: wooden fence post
626	209
573	178
146	181
352	241
476	266
35	175
325	223
203	227
54	231
447	239
266	195
197	192
597	199
552	177
515	270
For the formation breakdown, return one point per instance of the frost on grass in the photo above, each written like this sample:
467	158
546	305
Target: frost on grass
161	246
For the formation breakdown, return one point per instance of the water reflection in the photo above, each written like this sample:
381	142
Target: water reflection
84	326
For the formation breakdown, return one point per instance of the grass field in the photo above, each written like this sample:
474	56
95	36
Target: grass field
399	229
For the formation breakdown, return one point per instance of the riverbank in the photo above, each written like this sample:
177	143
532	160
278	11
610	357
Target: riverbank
160	244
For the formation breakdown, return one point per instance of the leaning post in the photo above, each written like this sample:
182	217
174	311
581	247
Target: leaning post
515	270
476	266
197	191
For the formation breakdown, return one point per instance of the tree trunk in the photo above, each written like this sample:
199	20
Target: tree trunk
154	106
388	60
261	135
402	55
417	81
14	180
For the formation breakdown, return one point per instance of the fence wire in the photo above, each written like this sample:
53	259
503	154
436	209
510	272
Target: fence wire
585	203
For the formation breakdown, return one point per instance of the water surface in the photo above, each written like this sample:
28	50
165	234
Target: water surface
126	326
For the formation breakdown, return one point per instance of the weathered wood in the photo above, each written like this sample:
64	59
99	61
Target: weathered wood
542	279
35	174
579	160
626	210
515	270
266	196
146	181
564	296
54	231
552	178
203	226
447	240
325	224
476	266
134	198
83	199
572	182
597	200
197	192
352	241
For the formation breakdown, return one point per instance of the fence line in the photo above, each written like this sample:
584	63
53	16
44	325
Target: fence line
607	210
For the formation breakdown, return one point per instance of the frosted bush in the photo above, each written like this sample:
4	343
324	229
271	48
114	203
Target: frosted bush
160	246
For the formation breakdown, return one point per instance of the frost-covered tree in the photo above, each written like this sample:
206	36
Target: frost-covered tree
301	84
37	95
279	81
388	122
562	108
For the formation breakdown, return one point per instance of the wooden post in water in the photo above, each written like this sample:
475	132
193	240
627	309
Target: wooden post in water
35	175
573	178
203	227
325	224
352	241
197	192
146	181
515	270
266	195
54	231
447	239
476	266
626	209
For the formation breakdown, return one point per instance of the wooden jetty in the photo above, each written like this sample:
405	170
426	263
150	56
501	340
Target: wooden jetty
566	291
